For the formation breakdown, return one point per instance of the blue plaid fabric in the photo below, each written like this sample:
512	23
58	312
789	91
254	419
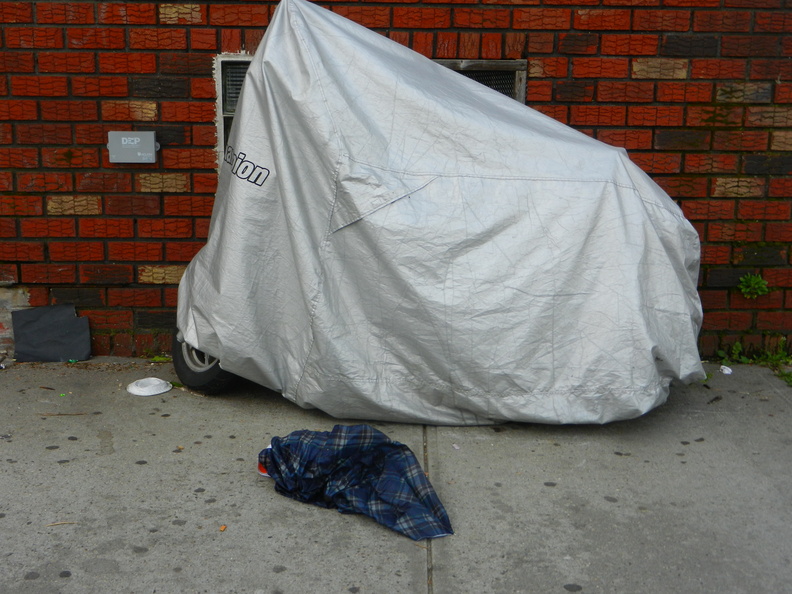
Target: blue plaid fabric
358	469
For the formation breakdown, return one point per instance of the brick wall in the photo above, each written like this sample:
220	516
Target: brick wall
699	92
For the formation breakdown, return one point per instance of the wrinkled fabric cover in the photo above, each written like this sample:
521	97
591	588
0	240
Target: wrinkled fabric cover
358	469
393	241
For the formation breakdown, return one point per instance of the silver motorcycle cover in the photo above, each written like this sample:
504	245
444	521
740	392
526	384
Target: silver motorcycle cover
393	241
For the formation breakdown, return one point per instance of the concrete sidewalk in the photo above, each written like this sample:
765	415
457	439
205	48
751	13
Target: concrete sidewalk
102	491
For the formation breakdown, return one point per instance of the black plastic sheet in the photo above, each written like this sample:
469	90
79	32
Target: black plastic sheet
51	333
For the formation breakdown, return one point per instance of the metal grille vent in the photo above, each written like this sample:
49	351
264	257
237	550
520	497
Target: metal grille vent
233	77
500	81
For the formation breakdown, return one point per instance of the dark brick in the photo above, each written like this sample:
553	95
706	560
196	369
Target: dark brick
768	255
172	135
682	139
741	92
81	297
195	64
155	319
578	43
574	91
767	164
726	277
690	46
161	86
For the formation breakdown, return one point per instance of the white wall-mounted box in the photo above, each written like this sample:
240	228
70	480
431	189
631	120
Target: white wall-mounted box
132	147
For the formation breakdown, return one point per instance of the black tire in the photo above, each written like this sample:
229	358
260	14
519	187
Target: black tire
199	371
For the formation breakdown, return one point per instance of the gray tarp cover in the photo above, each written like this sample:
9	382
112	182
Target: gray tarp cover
393	241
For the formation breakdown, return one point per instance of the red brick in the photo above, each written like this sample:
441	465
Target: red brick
693	3
103	181
204	135
421	17
600	67
125	251
423	43
654	115
469	45
96	133
231	41
771	69
225	15
44	134
128	63
721	21
724	116
134	297
17	109
777	321
541	18
6	181
158	39
203	39
165	228
400	37
734	231
764	209
661	20
783	93
550	67
711	163
6	133
630	139
39	296
779	232
108	319
44	182
16	12
373	17
740	141
65	13
70	157
18	157
715	254
539	90
658	162
75	62
626	91
719	68
708	209
100	344
69	111
778	277
99	86
96	38
8	273
171	297
202	228
132	205
629	45
16	62
202	88
598	115
559	113
76	251
447	44
43	227
481	18
39	86
21	251
515	46
123	344
727	320
772	300
684	92
185	111
491	44
608	19
127	14
49	273
33	37
780	188
182	251
712	299
205	183
188	205
106	227
186	158
20	206
750	46
106	274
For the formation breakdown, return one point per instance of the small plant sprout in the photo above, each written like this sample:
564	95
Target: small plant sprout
752	286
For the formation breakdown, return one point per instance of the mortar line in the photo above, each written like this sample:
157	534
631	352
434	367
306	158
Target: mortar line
429	561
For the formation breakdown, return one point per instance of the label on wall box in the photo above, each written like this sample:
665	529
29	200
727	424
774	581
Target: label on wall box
132	147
